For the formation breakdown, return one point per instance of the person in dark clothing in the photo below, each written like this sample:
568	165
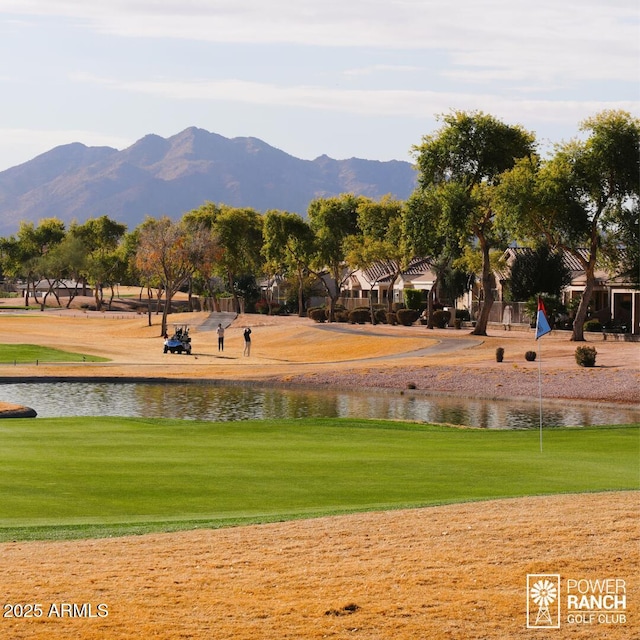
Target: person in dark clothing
247	342
220	332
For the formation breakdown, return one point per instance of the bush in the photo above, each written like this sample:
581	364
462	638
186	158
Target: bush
391	318
341	315
593	325
359	316
463	314
413	299
407	317
530	356
586	356
262	306
499	354
441	318
380	315
318	314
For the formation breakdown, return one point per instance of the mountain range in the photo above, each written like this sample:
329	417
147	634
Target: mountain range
169	176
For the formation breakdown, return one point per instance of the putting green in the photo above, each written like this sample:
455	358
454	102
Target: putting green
68	477
29	353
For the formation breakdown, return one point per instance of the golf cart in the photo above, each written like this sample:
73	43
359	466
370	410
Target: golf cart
179	342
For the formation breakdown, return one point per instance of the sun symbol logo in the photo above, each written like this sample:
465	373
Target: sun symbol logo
543	593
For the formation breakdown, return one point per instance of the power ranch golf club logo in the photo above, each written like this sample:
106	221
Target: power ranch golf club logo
552	601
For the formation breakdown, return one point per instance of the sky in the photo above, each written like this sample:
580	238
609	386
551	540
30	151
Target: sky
345	78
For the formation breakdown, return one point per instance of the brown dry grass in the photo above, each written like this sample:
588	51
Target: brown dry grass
457	571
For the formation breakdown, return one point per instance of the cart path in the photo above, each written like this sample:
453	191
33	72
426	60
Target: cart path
217	317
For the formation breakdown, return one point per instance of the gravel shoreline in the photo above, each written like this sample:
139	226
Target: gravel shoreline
595	385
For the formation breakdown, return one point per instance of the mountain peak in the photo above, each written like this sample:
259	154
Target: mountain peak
170	176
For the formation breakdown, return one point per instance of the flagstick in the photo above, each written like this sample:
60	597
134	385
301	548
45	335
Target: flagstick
540	395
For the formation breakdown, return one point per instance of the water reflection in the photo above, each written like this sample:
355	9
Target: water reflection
193	401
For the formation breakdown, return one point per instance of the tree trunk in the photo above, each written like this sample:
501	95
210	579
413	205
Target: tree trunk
97	296
430	298
481	325
301	312
581	314
165	312
190	295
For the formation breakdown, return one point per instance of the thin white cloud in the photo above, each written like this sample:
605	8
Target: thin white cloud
546	39
381	68
375	102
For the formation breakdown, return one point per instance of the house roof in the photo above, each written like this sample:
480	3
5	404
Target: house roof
383	271
570	260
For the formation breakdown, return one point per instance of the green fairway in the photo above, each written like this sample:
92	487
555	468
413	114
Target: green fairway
24	353
67	477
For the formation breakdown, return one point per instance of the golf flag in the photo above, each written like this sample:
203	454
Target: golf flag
542	324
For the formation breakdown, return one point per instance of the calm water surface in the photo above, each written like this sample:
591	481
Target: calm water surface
194	401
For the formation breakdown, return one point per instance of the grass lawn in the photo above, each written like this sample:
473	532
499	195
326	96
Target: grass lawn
21	353
83	477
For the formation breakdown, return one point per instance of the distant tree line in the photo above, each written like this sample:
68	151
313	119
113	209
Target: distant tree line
482	186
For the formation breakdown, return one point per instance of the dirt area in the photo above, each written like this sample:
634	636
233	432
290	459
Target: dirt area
292	350
455	572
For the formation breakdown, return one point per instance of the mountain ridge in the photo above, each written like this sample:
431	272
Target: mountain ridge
169	176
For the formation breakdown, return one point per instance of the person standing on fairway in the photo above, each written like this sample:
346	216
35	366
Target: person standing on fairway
247	342
220	332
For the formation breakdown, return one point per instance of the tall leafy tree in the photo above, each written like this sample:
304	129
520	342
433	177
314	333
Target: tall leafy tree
239	235
582	196
288	247
168	252
27	251
461	165
538	271
332	220
381	242
101	237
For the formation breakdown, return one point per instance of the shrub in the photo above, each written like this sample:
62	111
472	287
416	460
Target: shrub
262	306
413	299
380	315
318	314
441	318
593	325
341	315
499	354
359	316
391	318
586	356
407	317
463	314
530	356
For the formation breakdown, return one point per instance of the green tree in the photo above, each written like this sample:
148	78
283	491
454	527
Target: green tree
581	197
538	271
380	248
459	168
28	249
332	220
288	248
101	238
239	236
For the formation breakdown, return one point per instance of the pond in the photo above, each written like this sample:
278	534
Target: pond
203	401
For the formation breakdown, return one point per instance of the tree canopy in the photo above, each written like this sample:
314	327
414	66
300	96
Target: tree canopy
459	168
